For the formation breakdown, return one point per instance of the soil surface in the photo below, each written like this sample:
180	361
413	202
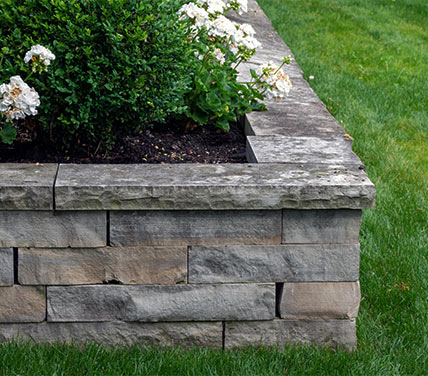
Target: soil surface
164	144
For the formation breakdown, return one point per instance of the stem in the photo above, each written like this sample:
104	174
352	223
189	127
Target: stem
31	73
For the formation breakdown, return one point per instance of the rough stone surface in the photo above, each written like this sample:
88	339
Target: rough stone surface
161	303
22	304
274	263
183	334
336	333
326	300
280	120
195	227
281	149
25	186
6	267
131	265
52	229
321	226
212	187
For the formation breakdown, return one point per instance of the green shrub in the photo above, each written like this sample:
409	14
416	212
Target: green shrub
120	64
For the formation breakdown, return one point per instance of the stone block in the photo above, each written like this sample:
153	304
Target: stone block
335	333
161	303
321	226
128	265
22	304
320	301
195	186
27	186
282	149
6	267
52	229
281	120
167	228
294	263
182	334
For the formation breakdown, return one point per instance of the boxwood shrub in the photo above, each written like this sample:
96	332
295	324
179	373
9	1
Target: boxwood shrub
120	64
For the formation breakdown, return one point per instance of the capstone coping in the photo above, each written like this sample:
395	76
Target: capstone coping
280	149
212	187
25	186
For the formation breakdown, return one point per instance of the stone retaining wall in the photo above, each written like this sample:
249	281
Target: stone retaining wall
193	255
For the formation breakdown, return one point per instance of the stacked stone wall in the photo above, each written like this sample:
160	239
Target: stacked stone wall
193	255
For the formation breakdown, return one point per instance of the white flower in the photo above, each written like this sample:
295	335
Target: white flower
244	41
219	55
213	7
17	99
279	84
39	54
198	15
222	27
240	6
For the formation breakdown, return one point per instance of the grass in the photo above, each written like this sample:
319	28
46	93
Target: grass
370	63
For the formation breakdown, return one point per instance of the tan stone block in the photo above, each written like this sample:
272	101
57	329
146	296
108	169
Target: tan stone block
324	300
22	304
128	265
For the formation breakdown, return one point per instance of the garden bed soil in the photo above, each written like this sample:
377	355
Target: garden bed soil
163	144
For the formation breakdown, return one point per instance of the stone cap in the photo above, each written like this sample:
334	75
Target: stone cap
27	186
215	187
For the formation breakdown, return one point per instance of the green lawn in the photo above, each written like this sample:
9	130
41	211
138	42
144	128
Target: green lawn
369	59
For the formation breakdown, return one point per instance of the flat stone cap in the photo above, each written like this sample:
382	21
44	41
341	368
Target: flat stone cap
215	187
25	186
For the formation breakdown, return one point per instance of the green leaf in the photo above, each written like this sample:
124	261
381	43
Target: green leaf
7	133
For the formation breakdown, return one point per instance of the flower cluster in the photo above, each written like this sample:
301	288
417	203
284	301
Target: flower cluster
40	57
209	16
228	42
278	83
17	99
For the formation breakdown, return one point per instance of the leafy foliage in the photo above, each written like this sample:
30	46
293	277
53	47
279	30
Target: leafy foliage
120	65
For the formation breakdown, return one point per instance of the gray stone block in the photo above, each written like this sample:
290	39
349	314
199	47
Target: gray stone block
282	149
274	263
52	229
321	226
168	228
281	120
22	304
320	301
129	265
6	267
212	187
26	186
161	303
335	333
182	334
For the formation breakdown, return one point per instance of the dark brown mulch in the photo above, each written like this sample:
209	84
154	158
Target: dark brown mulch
164	144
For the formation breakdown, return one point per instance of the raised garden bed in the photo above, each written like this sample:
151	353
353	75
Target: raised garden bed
222	255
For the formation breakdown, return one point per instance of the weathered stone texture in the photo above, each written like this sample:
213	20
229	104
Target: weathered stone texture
281	332
282	121
25	186
161	303
321	226
212	187
49	229
280	149
22	304
294	263
183	334
128	265
327	300
195	227
6	267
